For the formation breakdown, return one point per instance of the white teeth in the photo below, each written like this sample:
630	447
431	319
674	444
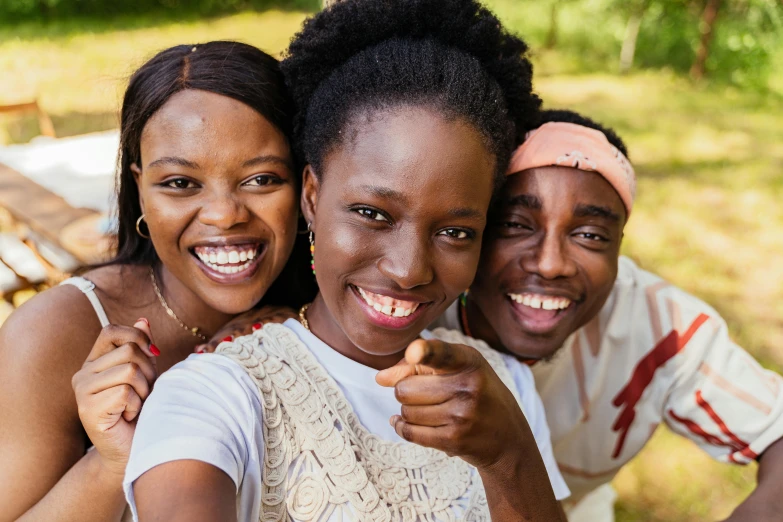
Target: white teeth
225	260
386	309
541	301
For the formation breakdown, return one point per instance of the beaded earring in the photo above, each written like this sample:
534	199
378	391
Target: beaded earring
312	249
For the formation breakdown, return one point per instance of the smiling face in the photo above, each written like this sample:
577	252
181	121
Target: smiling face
398	214
219	197
549	259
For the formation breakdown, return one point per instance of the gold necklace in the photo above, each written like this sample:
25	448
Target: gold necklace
193	331
302	318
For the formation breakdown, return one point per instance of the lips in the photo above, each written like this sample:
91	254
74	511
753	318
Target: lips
229	263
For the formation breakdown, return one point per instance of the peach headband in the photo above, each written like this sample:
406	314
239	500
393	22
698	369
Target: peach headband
571	145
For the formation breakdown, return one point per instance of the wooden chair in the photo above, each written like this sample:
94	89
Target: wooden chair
44	121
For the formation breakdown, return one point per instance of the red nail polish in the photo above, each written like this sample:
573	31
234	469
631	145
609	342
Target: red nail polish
257	326
154	350
228	339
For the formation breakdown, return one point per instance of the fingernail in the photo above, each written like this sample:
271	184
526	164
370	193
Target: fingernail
227	339
154	350
257	326
143	319
200	349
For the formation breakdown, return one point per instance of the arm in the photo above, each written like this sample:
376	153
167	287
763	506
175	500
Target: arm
108	390
203	493
766	502
197	451
509	502
725	402
42	443
452	400
88	491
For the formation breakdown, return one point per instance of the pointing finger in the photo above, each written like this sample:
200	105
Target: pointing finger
392	376
437	357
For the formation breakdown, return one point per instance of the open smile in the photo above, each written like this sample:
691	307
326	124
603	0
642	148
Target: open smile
540	313
229	264
392	312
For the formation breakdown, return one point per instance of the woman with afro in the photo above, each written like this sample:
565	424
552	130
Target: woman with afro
406	115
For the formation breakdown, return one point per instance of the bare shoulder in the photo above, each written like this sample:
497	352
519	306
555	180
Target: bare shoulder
55	330
52	334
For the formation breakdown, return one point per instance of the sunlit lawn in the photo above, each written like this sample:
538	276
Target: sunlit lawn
709	216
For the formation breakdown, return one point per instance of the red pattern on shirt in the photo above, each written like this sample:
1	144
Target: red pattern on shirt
643	375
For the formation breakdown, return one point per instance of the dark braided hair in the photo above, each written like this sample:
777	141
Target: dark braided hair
566	116
370	55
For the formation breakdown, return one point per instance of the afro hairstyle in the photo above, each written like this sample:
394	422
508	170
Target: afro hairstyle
361	56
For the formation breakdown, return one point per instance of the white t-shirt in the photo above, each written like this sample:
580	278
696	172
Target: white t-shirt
653	354
207	408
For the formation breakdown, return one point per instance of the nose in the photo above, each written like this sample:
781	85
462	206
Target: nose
549	258
224	211
407	262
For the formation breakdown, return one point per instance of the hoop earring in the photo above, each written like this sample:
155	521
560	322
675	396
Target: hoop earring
312	248
138	229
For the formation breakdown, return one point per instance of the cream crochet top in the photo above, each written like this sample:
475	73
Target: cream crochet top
321	464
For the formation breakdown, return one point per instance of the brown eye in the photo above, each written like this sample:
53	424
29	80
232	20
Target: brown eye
262	180
180	183
371	214
592	237
456	233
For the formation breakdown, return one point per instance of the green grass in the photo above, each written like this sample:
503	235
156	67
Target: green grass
708	216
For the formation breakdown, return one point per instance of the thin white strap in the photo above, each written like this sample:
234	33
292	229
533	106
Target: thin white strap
88	288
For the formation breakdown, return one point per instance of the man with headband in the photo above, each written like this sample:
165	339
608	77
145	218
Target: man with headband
615	349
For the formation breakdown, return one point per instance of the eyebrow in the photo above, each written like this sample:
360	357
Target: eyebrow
525	200
399	197
173	160
595	211
269	158
384	193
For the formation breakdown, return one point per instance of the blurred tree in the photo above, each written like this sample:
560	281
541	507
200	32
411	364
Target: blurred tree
554	22
707	30
632	28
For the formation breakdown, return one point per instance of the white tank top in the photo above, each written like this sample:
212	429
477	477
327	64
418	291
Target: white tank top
88	288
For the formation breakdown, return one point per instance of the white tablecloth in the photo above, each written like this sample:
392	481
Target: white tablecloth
80	169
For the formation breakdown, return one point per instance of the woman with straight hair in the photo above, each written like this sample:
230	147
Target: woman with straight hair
208	208
406	114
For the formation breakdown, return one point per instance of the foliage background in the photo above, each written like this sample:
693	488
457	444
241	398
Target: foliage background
708	153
